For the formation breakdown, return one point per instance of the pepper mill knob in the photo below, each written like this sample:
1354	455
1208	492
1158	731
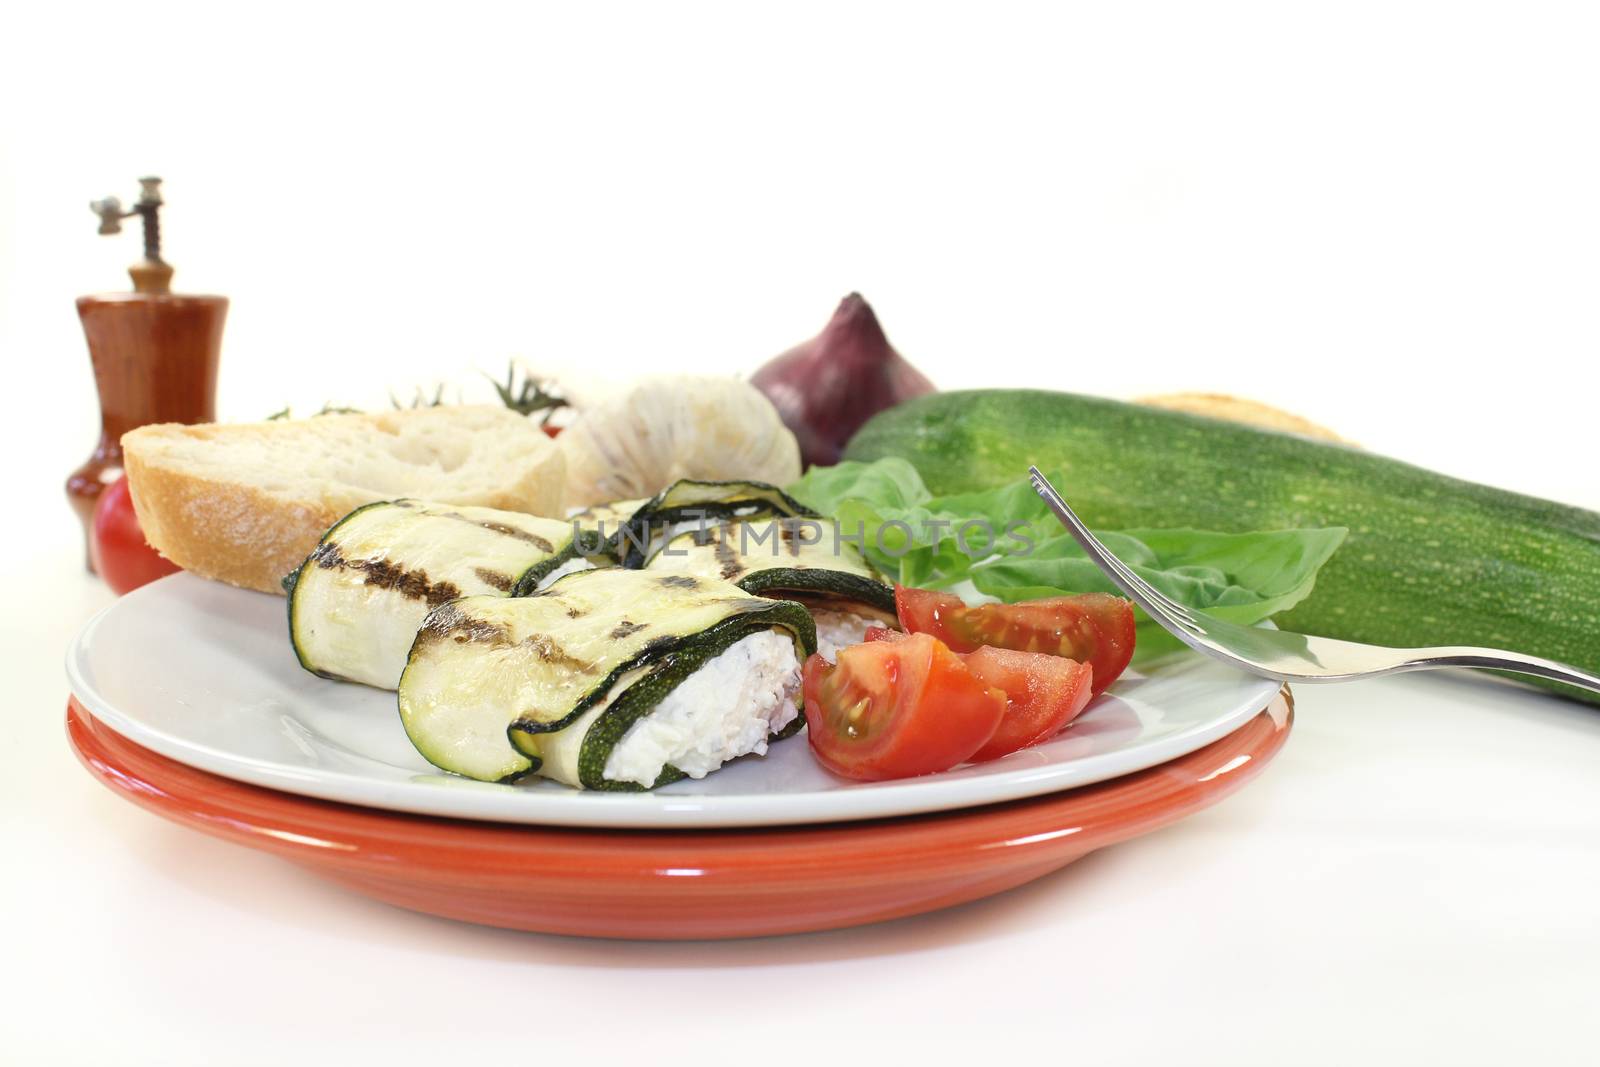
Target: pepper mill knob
110	212
152	274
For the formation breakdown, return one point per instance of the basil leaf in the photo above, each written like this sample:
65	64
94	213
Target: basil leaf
1008	545
1243	578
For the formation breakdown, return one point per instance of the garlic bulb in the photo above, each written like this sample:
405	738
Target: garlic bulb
663	429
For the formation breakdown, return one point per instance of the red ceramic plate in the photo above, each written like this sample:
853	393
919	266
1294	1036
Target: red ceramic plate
674	884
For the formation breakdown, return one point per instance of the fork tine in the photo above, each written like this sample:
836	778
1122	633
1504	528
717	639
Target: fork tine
1141	592
1172	606
1131	576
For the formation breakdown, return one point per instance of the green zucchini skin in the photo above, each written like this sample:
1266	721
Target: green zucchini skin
708	501
812	582
792	568
1431	560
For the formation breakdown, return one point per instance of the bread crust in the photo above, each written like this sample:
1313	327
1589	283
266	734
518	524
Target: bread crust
235	532
227	532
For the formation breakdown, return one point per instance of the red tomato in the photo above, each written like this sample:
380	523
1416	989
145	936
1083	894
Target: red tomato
1092	628
1043	693
896	709
117	547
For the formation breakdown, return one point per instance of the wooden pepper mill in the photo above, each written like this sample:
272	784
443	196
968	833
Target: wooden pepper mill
154	352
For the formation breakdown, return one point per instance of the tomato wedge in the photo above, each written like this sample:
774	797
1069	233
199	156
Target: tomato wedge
1092	628
1043	693
897	709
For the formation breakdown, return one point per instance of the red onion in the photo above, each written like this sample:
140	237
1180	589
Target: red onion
827	387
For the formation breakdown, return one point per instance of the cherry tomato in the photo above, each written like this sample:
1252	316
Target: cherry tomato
897	709
1043	692
1092	628
117	547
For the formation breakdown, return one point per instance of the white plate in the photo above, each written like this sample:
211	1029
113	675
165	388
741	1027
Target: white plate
203	673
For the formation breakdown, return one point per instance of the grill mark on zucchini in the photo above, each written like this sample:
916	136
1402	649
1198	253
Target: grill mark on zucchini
789	536
545	647
541	543
494	579
732	565
679	581
380	572
729	563
450	621
625	628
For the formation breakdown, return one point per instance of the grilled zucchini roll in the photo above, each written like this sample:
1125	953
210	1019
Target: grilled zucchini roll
791	559
693	504
356	602
610	679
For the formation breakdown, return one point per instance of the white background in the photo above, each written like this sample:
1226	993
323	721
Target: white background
1385	217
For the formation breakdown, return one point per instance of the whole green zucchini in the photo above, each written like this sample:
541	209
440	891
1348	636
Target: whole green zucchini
1430	559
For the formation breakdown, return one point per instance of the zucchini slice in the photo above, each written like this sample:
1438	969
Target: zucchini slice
788	558
356	602
697	503
556	682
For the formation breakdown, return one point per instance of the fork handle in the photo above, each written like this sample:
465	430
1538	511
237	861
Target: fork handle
1516	662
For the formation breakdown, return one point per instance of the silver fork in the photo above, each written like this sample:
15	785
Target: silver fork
1288	656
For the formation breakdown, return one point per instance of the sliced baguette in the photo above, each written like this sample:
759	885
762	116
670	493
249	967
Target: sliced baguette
246	503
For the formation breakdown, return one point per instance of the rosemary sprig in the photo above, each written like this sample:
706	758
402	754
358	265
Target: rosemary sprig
528	396
285	414
420	399
525	397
